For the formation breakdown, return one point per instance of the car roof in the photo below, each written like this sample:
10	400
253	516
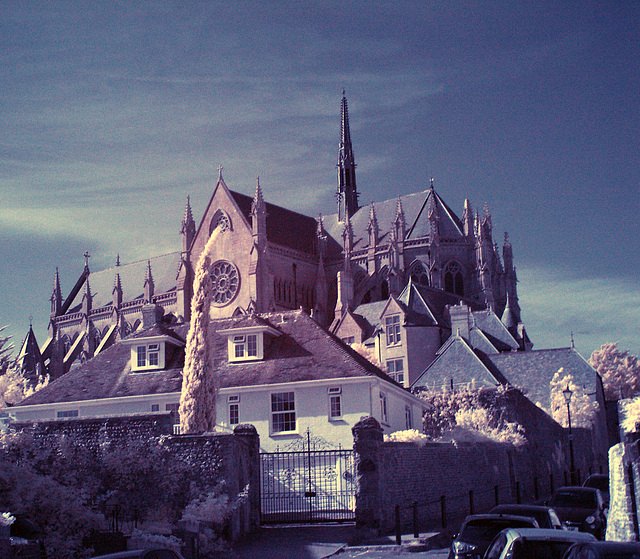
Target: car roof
576	489
496	516
616	546
514	506
539	534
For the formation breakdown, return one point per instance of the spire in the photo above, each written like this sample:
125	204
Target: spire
258	200
188	227
434	215
399	222
259	218
347	192
507	254
117	286
87	298
149	286
372	227
467	218
56	295
508	317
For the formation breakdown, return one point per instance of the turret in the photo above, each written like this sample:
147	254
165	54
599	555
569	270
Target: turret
434	216
399	222
347	192
87	298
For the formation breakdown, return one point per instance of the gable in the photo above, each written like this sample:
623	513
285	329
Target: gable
457	364
533	371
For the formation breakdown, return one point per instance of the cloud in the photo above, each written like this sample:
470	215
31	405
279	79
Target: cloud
596	310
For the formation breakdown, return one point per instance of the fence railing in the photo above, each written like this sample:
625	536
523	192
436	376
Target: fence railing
451	509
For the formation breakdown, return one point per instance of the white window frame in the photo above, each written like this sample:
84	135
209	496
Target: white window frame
393	330
384	412
282	413
246	347
335	396
408	417
394	374
233	401
148	356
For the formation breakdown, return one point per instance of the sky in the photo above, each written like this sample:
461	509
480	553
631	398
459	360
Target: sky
112	113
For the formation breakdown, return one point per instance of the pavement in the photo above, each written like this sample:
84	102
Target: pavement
339	541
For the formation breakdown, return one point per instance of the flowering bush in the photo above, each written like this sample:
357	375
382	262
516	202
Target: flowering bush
367	352
475	411
408	436
619	370
7	519
583	407
631	415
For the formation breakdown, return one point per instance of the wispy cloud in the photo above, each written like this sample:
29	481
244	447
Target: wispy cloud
596	310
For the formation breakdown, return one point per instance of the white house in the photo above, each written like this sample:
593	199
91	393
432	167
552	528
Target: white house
281	372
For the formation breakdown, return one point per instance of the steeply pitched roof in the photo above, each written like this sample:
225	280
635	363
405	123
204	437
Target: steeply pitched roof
284	227
415	296
415	208
457	364
132	276
303	351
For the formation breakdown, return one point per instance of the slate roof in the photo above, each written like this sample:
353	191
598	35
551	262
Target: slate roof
284	227
164	270
304	351
534	370
415	207
414	295
531	371
456	362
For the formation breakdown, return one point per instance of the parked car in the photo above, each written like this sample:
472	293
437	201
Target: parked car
478	530
545	516
603	550
531	543
581	508
142	554
599	481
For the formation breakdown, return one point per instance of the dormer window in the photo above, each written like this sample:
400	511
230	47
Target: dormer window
247	343
246	346
151	353
148	356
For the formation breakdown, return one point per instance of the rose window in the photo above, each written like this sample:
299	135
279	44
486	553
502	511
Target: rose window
225	281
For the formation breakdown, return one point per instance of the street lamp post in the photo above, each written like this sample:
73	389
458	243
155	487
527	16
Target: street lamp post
567	393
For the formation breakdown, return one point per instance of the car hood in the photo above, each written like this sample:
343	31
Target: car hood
573	514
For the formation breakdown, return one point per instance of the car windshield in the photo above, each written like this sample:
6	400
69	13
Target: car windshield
485	529
577	499
532	549
601	483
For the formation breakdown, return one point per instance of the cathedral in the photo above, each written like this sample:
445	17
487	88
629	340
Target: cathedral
399	276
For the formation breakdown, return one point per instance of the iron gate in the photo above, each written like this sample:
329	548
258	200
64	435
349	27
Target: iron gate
307	486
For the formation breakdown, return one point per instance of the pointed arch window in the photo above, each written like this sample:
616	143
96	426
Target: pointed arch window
220	218
453	279
418	274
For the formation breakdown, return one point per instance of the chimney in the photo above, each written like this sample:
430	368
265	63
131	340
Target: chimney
459	315
151	315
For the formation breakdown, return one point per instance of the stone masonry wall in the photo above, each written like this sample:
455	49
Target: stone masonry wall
211	459
470	477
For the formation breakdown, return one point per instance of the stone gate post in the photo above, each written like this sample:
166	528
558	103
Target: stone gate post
367	440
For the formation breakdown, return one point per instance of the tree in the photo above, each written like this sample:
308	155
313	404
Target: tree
474	411
367	352
619	370
198	397
5	351
583	407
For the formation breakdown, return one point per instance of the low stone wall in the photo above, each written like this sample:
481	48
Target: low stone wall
451	479
210	459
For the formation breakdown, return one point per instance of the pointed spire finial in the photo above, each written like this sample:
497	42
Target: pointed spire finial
118	259
220	172
431	184
86	258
